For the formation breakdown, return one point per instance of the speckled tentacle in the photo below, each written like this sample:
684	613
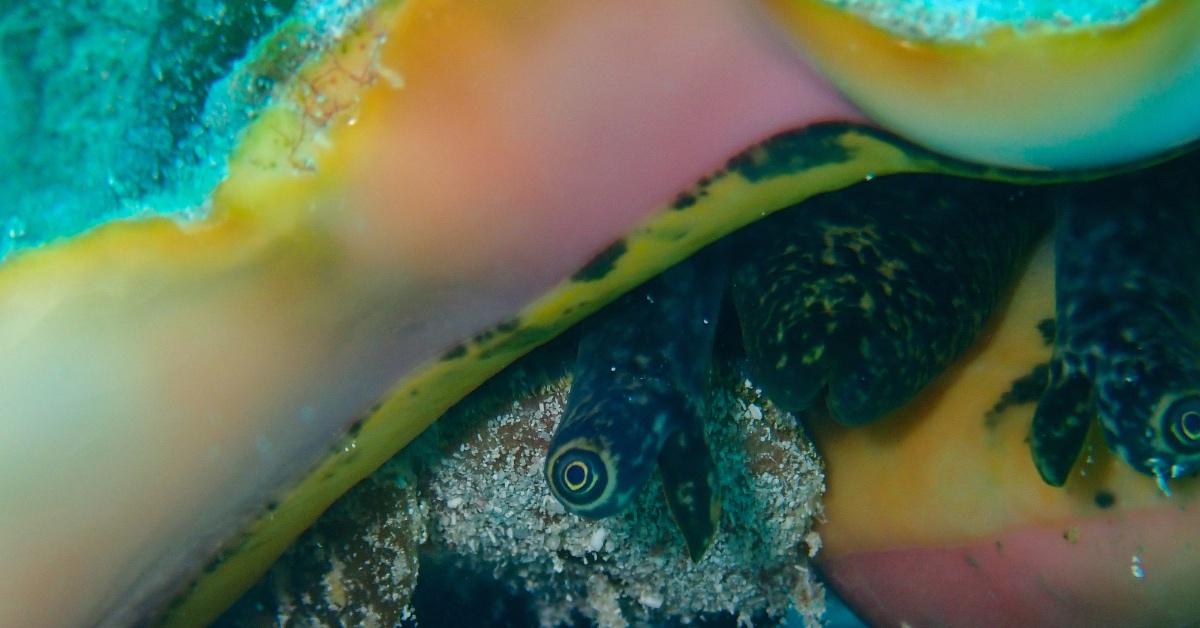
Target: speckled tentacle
1060	424
875	290
1128	307
640	381
690	485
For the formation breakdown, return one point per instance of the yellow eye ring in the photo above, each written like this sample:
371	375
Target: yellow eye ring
578	475
1189	423
583	476
1187	428
1181	423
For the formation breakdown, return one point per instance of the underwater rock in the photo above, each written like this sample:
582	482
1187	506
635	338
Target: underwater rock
473	487
141	100
356	566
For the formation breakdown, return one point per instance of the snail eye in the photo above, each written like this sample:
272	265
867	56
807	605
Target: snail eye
1182	424
579	477
575	475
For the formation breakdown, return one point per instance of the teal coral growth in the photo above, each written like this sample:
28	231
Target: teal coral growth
123	108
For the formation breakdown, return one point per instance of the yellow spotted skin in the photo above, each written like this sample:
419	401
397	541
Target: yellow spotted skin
871	292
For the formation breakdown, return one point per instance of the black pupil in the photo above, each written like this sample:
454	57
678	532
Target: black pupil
575	475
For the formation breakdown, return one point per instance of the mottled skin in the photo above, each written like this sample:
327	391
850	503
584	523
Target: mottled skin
638	399
1127	343
840	291
872	292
